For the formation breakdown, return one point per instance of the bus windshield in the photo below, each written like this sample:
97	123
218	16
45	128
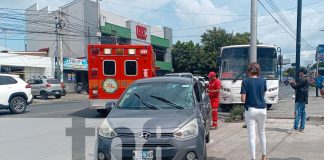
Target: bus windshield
235	62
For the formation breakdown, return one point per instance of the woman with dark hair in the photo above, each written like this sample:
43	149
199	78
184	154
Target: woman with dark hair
252	94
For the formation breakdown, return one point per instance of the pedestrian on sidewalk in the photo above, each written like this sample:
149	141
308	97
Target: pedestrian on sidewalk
252	94
213	90
301	87
319	83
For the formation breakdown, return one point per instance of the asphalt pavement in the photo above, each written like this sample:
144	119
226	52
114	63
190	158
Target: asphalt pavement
67	129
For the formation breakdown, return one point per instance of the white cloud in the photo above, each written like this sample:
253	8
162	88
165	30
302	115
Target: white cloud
272	33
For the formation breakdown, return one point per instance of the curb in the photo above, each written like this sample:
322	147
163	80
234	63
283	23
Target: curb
316	118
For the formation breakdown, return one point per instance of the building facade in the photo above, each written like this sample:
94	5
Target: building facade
77	24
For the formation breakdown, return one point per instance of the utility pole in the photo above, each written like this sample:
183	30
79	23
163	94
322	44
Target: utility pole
298	38
98	29
59	45
253	31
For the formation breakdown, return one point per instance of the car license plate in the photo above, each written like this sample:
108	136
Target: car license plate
57	92
143	155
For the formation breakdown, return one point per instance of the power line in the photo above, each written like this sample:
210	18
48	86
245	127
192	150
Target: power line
290	34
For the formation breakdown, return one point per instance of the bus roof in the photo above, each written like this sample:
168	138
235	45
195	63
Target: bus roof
247	45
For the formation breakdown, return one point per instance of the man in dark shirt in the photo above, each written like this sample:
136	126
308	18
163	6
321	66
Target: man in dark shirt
301	87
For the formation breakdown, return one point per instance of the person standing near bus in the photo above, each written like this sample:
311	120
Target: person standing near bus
301	86
319	83
213	92
252	95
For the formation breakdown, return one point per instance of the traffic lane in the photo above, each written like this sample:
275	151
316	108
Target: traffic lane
62	110
52	131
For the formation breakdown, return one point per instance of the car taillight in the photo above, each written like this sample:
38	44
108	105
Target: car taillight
48	85
94	92
62	85
94	72
94	51
28	86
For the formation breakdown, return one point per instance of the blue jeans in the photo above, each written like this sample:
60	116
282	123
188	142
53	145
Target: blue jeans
300	115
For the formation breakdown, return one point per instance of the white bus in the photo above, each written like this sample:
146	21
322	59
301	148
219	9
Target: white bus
233	62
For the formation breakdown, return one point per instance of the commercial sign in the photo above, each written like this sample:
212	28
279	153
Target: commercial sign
320	53
73	63
141	32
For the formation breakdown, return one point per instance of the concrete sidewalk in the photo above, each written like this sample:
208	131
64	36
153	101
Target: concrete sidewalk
230	142
285	108
68	98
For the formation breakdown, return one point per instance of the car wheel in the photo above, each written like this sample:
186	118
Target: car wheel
44	95
269	106
64	92
208	137
17	105
58	96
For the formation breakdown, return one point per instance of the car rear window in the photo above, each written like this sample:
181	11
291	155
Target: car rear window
109	68
53	81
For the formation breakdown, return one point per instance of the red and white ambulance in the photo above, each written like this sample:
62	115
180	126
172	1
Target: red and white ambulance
112	68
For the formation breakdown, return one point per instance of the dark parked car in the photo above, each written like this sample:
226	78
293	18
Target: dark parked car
157	118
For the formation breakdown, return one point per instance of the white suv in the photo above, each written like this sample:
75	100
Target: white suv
15	94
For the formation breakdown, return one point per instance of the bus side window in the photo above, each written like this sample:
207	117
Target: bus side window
130	68
109	68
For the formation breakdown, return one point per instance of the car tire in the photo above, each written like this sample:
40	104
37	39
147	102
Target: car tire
205	152
17	105
269	106
44	95
64	93
58	96
208	138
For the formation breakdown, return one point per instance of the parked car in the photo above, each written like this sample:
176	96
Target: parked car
185	74
203	80
15	93
44	87
162	116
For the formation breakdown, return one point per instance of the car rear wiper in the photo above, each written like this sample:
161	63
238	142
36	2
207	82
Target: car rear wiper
167	102
148	105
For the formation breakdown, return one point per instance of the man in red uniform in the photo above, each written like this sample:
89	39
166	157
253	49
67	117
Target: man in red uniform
213	92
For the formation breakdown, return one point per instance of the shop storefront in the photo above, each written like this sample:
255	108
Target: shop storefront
26	66
75	72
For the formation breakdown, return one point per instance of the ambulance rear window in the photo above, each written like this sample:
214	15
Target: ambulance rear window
109	68
131	68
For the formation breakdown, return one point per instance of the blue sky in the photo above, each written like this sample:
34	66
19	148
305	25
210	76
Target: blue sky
187	17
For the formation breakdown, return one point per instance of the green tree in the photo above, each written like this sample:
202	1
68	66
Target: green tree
201	59
290	72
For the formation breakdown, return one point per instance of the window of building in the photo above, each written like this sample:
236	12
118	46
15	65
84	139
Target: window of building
109	68
131	68
159	53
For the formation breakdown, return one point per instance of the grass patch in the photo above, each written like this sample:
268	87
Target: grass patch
236	114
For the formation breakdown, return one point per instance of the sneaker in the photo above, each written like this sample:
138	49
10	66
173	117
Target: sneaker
301	130
293	131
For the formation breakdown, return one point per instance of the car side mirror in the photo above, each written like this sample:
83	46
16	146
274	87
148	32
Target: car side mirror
280	60
110	105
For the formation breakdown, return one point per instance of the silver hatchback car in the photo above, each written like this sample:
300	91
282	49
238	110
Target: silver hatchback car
45	87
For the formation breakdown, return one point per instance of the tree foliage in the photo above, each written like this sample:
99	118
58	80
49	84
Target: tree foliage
201	58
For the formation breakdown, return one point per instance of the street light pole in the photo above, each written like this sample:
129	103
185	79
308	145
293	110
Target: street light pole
253	41
298	38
